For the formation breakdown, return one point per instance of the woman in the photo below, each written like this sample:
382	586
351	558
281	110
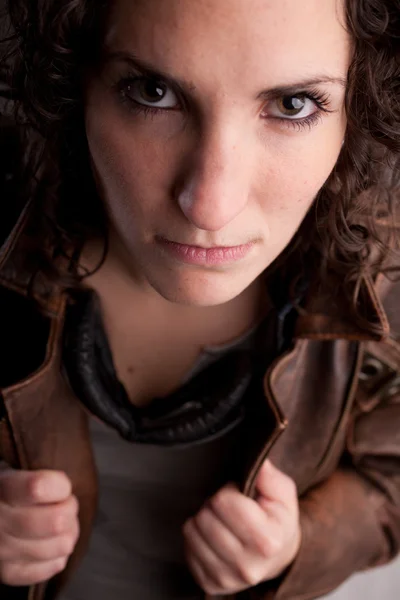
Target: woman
199	309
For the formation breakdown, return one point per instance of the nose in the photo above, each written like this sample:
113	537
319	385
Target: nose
216	186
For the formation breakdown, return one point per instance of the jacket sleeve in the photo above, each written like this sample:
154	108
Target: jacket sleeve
351	521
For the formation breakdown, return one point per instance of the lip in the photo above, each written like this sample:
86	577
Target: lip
197	255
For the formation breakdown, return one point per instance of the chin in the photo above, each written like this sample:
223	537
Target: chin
199	290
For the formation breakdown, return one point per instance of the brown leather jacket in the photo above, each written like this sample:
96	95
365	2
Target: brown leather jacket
335	401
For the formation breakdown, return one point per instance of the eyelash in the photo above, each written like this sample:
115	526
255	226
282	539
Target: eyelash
321	100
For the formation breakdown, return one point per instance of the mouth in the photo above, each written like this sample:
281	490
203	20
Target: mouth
204	256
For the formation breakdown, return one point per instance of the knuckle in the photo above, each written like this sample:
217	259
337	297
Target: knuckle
62	563
223	580
208	586
218	501
67	545
266	546
58	523
59	565
272	547
218	577
201	518
249	575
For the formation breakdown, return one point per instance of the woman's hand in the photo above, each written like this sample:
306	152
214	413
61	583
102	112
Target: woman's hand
235	542
39	525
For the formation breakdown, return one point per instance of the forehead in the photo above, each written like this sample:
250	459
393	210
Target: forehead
249	39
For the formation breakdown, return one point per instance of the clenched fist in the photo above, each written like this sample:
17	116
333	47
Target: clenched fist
38	525
235	542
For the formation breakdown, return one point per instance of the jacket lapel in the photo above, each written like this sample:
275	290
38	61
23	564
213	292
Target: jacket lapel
50	431
309	389
49	425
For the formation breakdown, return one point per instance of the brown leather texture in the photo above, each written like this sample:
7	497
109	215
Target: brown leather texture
334	402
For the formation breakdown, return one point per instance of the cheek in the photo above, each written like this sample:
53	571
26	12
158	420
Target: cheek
291	184
130	169
297	175
123	167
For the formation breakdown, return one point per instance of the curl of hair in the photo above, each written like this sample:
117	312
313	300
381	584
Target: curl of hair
350	229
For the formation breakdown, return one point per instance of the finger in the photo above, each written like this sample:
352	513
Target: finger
40	522
200	575
216	575
12	549
245	519
246	566
225	545
26	488
24	574
276	486
200	548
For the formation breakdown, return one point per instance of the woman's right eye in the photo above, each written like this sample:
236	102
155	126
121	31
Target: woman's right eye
151	93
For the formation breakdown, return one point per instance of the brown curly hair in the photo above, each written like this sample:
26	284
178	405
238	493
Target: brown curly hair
51	44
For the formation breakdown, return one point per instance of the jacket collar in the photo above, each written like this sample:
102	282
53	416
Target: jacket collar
319	319
322	319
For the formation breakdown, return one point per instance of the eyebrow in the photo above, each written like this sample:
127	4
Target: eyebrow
184	86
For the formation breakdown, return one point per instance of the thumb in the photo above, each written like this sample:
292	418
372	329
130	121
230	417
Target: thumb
274	485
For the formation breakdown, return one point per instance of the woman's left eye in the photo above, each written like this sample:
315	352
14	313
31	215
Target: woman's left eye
291	107
150	92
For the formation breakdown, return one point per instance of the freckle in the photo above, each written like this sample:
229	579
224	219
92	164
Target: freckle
131	370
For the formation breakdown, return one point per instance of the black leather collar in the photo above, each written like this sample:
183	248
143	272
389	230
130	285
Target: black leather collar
209	404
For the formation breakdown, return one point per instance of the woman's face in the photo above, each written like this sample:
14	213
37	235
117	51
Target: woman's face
214	124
